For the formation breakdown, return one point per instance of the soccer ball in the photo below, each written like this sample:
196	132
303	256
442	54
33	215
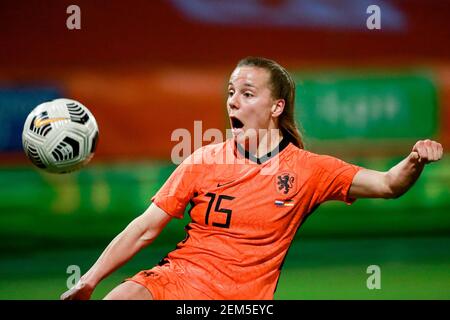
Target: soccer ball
60	136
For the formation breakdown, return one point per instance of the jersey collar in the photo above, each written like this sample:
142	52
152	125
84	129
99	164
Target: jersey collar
283	144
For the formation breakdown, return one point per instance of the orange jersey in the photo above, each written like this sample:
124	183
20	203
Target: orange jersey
244	215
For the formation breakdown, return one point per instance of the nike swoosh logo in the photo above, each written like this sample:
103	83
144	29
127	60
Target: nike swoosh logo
220	185
39	122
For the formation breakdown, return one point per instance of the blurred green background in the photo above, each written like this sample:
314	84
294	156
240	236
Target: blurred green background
69	220
364	96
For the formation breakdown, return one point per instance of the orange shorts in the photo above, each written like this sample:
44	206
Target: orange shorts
165	282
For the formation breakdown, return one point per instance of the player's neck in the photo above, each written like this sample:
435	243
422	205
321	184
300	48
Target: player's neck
267	142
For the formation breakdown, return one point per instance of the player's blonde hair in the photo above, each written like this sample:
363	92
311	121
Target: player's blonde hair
283	87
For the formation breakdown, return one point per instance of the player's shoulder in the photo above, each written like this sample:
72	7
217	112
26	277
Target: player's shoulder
300	154
213	149
207	154
307	159
216	147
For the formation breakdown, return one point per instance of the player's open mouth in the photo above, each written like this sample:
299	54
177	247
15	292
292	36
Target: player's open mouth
236	125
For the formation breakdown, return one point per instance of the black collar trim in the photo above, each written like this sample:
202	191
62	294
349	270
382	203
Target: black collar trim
283	144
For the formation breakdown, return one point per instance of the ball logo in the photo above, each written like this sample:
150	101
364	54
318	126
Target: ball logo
42	122
285	182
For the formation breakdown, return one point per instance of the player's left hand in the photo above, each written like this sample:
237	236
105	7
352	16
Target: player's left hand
426	151
81	291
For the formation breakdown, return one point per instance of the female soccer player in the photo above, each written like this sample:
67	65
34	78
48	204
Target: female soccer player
244	213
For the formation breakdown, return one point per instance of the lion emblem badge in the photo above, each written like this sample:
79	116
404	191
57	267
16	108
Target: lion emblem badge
285	182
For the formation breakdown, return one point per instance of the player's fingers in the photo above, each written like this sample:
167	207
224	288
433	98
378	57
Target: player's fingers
65	296
414	156
425	151
429	151
419	147
70	294
439	150
435	147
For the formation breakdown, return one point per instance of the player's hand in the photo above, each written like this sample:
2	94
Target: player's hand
81	291
426	151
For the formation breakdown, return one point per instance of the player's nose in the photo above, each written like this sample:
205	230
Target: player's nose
233	103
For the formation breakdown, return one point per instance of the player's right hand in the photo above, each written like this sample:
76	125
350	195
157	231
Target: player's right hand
426	151
81	291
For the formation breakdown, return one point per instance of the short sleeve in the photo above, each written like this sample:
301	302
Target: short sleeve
333	178
177	191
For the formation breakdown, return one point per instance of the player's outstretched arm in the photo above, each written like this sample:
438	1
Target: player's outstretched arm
137	235
395	182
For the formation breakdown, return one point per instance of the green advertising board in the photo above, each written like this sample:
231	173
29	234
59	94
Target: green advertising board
366	105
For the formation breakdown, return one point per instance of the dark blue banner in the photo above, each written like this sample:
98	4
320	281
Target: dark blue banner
15	105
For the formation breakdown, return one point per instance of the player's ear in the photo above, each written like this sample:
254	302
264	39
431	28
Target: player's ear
277	108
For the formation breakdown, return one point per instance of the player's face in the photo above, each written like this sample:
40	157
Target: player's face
249	101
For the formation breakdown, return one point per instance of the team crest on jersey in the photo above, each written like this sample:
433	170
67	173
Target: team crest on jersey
285	182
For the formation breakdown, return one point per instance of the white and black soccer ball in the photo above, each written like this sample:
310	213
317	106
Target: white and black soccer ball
60	136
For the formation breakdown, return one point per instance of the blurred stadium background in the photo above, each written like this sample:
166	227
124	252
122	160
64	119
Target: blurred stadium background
145	68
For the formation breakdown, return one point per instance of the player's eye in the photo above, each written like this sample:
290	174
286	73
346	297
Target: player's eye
248	94
230	93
